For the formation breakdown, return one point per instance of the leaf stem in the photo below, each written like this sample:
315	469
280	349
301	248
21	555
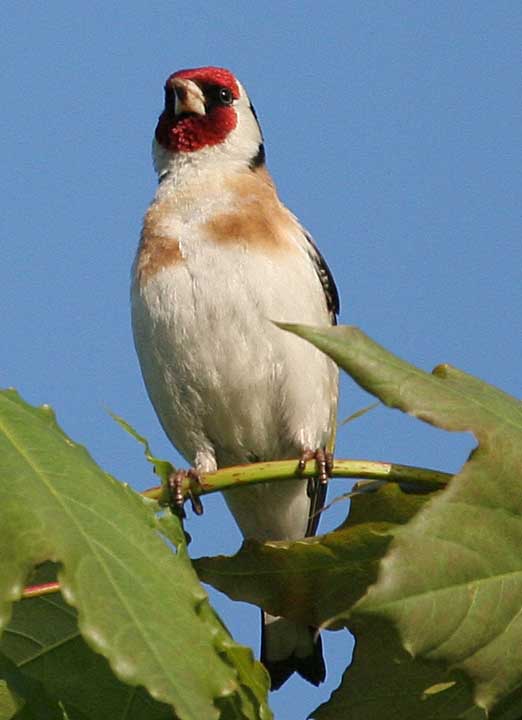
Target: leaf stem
40	590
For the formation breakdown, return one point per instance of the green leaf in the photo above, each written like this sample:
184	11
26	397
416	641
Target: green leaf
24	696
139	603
452	581
385	683
359	413
9	702
317	579
162	468
44	644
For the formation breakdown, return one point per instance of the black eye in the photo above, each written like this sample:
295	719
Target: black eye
225	96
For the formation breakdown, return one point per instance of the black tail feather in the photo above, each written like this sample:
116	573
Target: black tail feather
311	667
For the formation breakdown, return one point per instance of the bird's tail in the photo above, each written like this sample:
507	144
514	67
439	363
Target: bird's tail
287	648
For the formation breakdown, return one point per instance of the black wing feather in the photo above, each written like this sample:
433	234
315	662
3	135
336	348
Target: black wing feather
316	488
325	276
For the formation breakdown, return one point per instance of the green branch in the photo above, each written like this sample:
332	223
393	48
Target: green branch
287	470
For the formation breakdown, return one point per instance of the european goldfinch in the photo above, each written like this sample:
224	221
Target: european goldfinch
220	258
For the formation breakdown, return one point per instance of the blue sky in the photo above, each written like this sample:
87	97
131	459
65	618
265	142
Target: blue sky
393	130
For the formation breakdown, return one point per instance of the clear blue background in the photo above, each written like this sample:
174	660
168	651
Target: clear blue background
393	130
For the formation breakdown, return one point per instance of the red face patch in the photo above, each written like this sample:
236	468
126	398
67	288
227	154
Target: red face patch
210	76
191	132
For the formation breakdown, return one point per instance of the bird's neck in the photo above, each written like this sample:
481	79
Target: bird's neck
185	168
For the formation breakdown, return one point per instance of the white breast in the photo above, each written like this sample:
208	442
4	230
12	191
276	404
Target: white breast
225	382
229	386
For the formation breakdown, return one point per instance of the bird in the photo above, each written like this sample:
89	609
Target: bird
220	260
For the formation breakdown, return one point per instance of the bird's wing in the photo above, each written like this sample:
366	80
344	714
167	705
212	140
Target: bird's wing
317	489
325	276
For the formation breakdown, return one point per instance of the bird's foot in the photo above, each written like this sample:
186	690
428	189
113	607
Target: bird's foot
175	483
323	460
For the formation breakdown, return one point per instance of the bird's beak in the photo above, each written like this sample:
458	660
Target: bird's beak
189	97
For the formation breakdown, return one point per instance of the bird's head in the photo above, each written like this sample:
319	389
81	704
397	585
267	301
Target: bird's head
207	116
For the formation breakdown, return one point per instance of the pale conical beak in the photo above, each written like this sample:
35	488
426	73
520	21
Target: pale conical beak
189	97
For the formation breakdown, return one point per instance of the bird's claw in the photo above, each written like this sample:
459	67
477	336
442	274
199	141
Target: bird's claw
324	462
176	497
